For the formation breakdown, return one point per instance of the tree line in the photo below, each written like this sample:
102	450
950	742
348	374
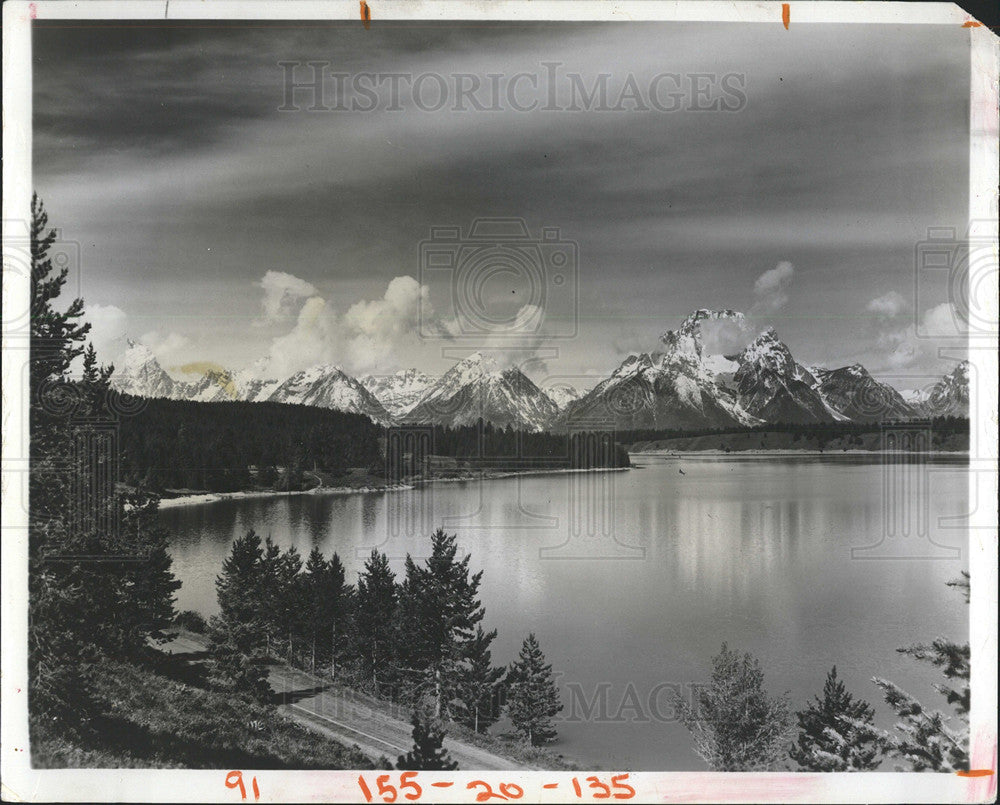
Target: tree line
823	432
237	445
417	640
179	444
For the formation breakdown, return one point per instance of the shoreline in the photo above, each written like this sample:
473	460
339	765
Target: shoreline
216	497
791	453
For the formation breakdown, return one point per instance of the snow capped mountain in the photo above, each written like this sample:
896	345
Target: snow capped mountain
326	386
711	372
142	376
477	387
676	388
948	397
856	395
323	386
773	387
398	392
562	394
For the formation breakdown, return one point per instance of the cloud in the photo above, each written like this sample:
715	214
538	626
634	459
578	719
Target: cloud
314	339
376	330
943	321
281	292
366	338
107	331
915	346
889	305
725	336
770	289
165	347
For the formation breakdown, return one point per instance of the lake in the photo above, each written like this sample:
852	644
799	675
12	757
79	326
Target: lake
632	580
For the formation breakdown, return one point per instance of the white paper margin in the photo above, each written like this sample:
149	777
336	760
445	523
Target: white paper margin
21	783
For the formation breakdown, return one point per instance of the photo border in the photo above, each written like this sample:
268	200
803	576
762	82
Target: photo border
20	782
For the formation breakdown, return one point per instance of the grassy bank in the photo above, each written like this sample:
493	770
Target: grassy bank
154	714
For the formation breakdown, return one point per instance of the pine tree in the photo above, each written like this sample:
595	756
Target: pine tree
234	633
837	732
427	753
925	739
99	572
736	725
478	683
532	697
375	620
339	601
440	609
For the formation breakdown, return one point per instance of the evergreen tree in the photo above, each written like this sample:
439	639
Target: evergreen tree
532	697
339	598
837	732
427	753
375	620
736	725
440	610
925	739
235	633
478	683
99	577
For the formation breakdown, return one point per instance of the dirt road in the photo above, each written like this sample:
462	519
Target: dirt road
347	716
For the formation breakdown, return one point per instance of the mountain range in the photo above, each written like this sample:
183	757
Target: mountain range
688	382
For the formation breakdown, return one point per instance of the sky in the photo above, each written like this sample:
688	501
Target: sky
214	223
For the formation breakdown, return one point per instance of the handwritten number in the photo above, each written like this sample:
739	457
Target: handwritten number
616	783
364	788
235	780
603	787
388	792
406	781
511	790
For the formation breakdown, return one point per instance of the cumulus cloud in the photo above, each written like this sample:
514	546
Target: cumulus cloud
107	332
770	289
943	321
167	347
888	306
916	344
364	339
282	292
314	339
374	330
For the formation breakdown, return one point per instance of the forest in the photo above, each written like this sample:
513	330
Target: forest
819	433
235	446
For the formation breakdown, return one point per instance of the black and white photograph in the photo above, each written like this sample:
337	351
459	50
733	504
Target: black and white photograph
450	402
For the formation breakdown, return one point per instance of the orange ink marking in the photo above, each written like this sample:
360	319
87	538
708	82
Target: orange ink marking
235	780
972	24
366	15
786	14
442	785
975	773
551	785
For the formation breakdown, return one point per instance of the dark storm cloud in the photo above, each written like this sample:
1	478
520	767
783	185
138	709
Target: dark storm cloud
167	143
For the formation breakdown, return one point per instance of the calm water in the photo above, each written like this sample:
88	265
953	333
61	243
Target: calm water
632	580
